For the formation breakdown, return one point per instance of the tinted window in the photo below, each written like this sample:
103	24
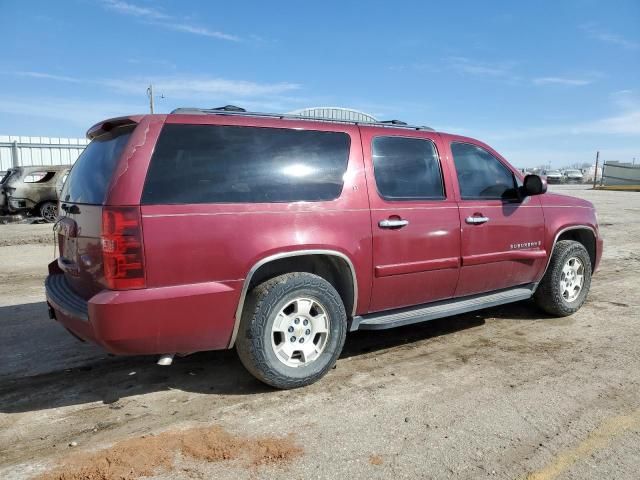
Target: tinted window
480	174
90	176
406	168
224	164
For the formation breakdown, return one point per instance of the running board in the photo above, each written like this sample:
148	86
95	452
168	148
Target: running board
445	308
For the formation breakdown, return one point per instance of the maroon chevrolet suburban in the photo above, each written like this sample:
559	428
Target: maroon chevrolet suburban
275	234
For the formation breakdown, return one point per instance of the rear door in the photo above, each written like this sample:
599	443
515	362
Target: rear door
502	235
81	201
415	222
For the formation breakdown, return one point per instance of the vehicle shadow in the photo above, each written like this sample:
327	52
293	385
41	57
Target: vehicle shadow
43	366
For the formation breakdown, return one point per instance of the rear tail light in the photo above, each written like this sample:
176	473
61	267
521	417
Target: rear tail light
122	249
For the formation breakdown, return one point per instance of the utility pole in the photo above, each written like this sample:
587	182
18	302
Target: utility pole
150	95
595	174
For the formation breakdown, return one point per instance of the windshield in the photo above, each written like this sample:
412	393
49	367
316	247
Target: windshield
90	176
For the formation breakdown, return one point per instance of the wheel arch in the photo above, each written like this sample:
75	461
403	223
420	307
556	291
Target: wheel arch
583	234
332	265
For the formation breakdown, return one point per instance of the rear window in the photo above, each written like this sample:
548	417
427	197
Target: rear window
229	164
90	176
6	176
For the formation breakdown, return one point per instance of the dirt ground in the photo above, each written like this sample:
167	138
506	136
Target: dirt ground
503	393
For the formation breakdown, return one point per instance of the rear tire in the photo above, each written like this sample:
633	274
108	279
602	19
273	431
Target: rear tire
566	283
49	211
292	330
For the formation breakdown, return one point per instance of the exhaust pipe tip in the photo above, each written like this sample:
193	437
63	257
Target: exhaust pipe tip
165	360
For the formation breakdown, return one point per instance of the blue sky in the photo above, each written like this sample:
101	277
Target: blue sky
540	81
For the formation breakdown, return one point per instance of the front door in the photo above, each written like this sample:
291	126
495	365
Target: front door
415	222
502	234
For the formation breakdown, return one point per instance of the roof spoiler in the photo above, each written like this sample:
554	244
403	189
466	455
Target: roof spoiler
106	126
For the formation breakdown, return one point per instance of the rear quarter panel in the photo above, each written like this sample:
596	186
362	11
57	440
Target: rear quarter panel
194	243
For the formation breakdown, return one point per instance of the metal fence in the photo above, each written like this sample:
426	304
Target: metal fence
620	173
24	151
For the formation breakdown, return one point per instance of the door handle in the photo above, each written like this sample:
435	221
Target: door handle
389	223
476	220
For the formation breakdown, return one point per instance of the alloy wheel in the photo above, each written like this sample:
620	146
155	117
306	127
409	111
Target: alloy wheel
300	331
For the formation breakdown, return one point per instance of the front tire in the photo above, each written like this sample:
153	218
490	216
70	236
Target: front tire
566	283
292	330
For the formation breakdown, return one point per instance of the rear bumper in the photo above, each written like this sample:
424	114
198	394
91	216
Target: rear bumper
183	318
11	204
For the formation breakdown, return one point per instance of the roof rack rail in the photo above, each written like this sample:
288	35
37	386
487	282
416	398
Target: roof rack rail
394	122
232	110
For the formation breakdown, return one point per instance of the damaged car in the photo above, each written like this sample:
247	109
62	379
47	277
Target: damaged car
32	190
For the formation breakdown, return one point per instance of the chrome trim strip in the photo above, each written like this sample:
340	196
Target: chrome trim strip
555	240
278	256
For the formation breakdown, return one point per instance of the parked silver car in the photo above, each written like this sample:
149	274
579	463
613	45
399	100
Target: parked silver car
554	176
573	176
32	190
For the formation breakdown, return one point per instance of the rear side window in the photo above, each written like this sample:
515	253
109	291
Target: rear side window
407	169
229	164
90	176
6	176
480	174
39	177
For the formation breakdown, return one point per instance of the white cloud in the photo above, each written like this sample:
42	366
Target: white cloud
560	156
574	82
200	87
626	124
179	87
161	19
82	113
183	27
626	99
135	10
473	67
48	76
594	31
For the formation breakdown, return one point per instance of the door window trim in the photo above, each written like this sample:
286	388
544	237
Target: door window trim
515	199
410	199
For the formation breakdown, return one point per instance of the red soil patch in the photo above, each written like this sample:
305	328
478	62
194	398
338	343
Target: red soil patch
151	454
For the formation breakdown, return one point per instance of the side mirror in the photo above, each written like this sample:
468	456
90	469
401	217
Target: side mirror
534	185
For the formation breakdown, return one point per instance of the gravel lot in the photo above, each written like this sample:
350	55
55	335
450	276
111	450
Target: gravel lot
504	393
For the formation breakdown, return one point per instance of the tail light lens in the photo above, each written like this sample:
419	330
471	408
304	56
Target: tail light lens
122	249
